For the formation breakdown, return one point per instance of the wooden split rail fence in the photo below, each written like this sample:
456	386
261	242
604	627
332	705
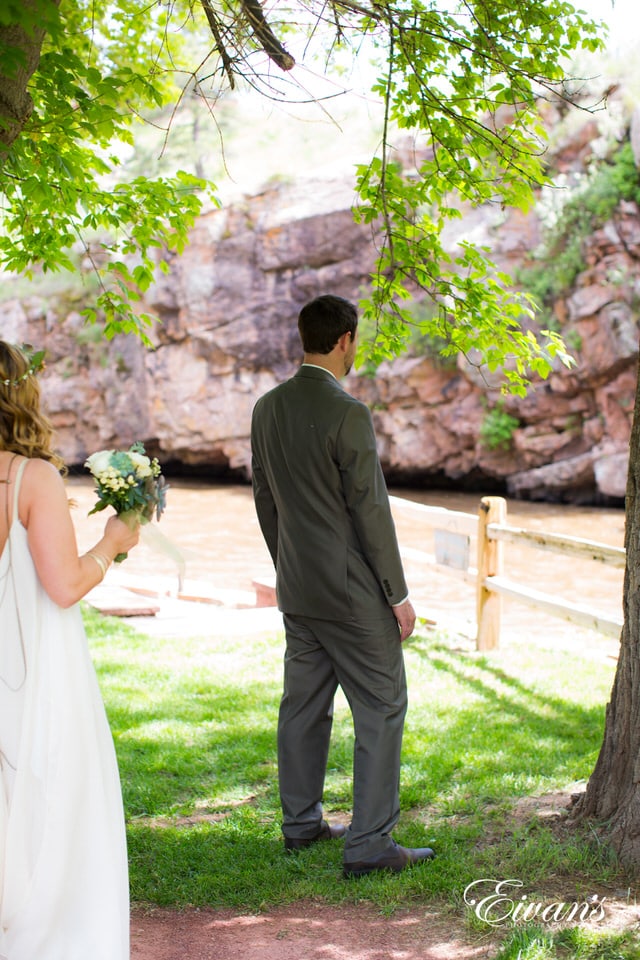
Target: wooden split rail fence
453	531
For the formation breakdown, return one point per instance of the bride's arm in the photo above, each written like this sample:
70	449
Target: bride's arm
44	511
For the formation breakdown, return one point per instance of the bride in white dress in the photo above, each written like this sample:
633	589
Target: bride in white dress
63	865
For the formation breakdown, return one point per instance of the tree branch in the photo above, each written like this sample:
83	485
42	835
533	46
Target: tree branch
227	62
265	36
260	30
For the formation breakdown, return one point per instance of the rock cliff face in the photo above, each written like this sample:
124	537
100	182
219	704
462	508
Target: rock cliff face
572	439
228	308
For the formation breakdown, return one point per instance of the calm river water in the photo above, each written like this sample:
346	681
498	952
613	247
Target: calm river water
216	528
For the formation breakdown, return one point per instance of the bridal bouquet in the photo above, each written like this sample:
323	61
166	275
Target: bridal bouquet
130	482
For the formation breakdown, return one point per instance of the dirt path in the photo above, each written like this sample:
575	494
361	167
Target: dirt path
317	931
303	931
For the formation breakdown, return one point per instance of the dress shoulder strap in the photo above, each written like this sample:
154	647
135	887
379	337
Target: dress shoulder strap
16	489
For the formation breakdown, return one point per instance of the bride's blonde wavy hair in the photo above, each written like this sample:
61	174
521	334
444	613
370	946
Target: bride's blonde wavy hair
24	428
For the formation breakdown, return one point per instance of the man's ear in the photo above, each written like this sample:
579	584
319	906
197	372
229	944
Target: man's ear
344	342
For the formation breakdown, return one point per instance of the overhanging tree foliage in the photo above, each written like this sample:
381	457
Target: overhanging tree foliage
467	77
99	68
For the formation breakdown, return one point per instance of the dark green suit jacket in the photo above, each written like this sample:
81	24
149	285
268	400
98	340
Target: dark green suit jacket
322	501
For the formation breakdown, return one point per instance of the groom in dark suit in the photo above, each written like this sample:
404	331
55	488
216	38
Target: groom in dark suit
324	512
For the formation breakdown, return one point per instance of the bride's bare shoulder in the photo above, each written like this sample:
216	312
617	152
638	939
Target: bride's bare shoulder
40	475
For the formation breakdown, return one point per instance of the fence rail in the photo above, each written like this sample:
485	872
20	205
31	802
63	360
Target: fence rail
492	532
557	543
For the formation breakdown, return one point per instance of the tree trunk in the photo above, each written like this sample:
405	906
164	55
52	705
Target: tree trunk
613	791
15	103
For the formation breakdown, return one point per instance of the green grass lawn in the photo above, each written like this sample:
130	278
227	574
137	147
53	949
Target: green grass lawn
194	724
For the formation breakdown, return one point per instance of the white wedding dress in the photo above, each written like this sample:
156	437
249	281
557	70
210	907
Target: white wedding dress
63	864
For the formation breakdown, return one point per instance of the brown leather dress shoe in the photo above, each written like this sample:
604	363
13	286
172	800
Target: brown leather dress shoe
395	858
326	832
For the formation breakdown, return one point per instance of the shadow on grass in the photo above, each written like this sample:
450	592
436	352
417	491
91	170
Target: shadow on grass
184	748
504	737
236	863
196	738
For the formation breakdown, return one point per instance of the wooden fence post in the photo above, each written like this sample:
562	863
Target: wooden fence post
490	560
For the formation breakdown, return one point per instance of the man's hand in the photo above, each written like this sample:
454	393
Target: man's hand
406	617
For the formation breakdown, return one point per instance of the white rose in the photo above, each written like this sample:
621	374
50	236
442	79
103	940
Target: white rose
99	462
141	463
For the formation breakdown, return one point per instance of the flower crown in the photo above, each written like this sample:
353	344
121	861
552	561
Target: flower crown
35	359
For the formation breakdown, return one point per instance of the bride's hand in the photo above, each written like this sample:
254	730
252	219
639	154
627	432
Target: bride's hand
120	536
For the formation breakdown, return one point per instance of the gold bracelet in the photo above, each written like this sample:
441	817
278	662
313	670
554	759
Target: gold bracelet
105	559
102	562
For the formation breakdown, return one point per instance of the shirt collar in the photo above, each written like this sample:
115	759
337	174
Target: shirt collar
317	366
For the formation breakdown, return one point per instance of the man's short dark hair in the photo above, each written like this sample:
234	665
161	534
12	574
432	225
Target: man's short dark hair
324	320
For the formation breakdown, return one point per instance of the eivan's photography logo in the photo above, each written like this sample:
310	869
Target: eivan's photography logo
500	901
